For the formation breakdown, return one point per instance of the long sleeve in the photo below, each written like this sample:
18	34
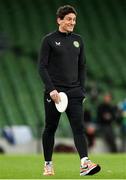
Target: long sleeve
43	65
62	61
82	67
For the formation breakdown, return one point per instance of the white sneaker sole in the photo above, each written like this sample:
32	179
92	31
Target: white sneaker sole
91	171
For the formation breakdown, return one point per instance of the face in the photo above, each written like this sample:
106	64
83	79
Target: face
67	23
107	98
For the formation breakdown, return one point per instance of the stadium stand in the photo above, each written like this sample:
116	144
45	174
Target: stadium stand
101	24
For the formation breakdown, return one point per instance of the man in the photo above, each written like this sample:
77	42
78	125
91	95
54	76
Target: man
106	118
62	68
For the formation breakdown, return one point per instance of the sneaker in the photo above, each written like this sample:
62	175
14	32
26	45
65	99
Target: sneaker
48	170
89	168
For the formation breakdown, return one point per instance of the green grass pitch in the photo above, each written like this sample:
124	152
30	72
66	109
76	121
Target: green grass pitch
66	166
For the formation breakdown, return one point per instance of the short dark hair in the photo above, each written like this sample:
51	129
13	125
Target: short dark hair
64	10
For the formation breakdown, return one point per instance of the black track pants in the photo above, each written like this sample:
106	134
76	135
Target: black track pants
74	112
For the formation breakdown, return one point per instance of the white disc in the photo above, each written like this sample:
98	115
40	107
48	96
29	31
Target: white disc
61	107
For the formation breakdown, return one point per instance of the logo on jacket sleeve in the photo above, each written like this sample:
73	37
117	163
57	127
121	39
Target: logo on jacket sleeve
76	44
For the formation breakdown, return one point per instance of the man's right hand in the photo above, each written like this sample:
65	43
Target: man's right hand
55	96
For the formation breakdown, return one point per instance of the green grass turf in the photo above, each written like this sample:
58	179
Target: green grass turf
66	166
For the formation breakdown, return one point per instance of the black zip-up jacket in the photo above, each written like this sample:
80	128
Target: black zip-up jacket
62	61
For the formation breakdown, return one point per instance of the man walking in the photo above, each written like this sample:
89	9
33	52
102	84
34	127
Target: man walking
62	68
